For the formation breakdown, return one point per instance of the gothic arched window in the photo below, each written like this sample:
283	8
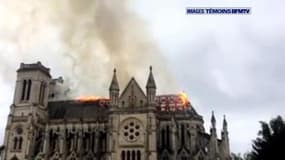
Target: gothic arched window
138	155
165	158
165	155
133	155
15	143
182	134
163	138
42	92
167	136
20	143
24	90
29	89
128	155
183	158
14	158
123	155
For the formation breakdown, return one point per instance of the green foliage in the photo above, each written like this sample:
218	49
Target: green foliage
270	143
236	156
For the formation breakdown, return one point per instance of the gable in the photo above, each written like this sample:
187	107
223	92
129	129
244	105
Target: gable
132	96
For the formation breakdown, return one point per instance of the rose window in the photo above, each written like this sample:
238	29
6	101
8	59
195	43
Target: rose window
131	130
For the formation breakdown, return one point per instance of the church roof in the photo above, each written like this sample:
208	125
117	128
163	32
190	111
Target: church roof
74	109
166	105
132	83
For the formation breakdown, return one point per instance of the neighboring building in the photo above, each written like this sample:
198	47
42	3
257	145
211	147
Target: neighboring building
129	125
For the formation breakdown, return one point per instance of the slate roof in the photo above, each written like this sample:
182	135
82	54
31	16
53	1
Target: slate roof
74	109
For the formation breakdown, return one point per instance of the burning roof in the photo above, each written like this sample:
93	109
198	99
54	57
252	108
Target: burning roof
94	107
170	102
173	102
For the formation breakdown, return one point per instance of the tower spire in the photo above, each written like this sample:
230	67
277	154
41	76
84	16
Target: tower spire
114	90
213	120
214	150
225	139
151	89
150	82
225	124
114	86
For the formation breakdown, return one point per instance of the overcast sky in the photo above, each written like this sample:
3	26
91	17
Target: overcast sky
231	64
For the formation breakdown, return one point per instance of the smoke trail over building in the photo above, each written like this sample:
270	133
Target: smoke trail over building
86	39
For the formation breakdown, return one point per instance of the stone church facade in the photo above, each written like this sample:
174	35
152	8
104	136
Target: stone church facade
131	124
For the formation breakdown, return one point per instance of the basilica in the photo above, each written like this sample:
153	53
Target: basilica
133	123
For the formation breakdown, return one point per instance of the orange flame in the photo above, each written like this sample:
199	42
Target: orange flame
90	98
185	100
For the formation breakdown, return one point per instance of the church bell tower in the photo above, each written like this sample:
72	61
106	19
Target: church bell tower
28	113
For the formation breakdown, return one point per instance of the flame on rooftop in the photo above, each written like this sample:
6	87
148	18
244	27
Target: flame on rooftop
171	102
184	98
91	98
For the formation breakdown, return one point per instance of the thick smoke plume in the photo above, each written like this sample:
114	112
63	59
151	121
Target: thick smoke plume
84	40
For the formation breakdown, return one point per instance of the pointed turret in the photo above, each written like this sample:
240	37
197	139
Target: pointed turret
225	141
225	124
213	150
114	90
150	82
213	121
151	88
114	86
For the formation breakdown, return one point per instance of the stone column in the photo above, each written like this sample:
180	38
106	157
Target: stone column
79	145
174	138
27	143
46	143
75	141
152	146
96	141
192	141
93	141
110	148
62	140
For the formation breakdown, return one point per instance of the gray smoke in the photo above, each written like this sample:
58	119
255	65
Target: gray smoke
85	40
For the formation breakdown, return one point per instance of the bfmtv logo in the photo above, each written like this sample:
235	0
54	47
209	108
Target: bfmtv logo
219	10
